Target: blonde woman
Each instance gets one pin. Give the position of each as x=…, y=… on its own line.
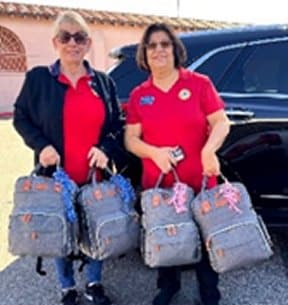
x=66, y=113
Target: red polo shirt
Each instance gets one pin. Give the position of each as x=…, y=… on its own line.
x=84, y=114
x=175, y=118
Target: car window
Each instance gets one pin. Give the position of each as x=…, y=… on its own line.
x=216, y=66
x=127, y=76
x=265, y=70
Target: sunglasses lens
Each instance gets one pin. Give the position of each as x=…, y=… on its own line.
x=153, y=45
x=64, y=37
x=79, y=37
x=165, y=44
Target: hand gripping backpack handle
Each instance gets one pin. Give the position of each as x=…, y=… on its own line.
x=227, y=190
x=161, y=177
x=40, y=170
x=205, y=182
x=91, y=177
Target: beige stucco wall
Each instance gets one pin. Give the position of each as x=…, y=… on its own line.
x=35, y=36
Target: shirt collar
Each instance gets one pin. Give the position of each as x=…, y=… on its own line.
x=54, y=69
x=183, y=74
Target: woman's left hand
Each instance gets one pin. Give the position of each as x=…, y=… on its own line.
x=210, y=163
x=97, y=158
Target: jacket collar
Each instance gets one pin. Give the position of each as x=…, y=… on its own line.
x=54, y=69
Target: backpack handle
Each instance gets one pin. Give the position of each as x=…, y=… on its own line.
x=92, y=177
x=38, y=167
x=161, y=177
x=205, y=181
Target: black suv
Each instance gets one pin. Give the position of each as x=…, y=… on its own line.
x=249, y=67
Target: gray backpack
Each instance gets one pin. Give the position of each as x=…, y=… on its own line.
x=170, y=237
x=109, y=224
x=42, y=223
x=233, y=233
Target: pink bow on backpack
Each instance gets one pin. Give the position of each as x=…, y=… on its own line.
x=179, y=197
x=231, y=194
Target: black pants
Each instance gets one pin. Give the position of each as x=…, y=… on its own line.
x=207, y=279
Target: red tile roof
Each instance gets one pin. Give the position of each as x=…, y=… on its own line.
x=104, y=17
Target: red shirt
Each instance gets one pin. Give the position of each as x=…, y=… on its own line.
x=175, y=118
x=84, y=115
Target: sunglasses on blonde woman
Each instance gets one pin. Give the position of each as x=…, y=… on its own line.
x=164, y=44
x=79, y=37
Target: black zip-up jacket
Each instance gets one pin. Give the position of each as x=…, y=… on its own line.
x=38, y=114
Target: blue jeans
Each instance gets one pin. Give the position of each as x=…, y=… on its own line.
x=65, y=271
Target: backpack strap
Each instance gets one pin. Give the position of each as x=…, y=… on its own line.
x=73, y=257
x=39, y=265
x=79, y=257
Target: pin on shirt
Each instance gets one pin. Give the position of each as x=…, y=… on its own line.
x=91, y=84
x=147, y=100
x=184, y=94
x=94, y=92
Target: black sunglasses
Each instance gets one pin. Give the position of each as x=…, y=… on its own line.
x=164, y=44
x=79, y=37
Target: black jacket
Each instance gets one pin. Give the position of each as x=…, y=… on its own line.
x=38, y=114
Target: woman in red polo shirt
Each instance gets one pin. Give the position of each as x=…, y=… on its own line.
x=67, y=113
x=175, y=108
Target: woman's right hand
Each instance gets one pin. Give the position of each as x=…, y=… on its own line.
x=163, y=158
x=49, y=156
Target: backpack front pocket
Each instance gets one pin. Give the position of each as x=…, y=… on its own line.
x=237, y=246
x=38, y=234
x=116, y=234
x=172, y=245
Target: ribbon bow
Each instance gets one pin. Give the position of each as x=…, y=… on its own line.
x=68, y=193
x=179, y=197
x=232, y=195
x=126, y=191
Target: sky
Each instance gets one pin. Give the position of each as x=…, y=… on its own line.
x=246, y=11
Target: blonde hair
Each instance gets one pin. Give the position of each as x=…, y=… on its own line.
x=72, y=18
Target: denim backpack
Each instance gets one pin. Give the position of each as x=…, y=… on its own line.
x=170, y=236
x=235, y=236
x=109, y=224
x=43, y=221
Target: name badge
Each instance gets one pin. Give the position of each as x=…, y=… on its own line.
x=147, y=100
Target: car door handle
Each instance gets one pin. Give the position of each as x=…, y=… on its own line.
x=239, y=114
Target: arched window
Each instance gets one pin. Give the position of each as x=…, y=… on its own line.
x=12, y=52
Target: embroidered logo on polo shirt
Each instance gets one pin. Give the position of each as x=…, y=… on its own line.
x=147, y=100
x=184, y=94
